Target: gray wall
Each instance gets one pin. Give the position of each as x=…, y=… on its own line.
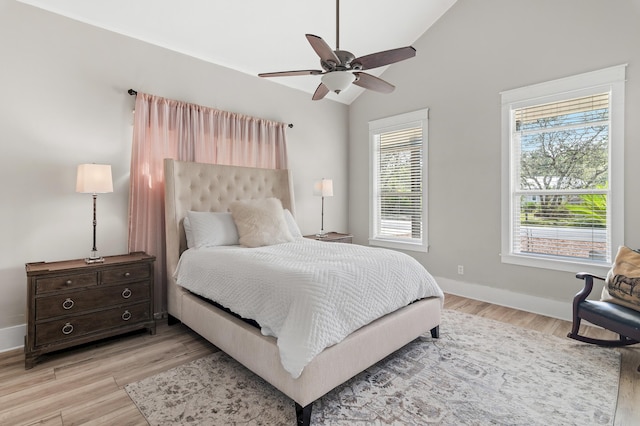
x=475, y=51
x=63, y=102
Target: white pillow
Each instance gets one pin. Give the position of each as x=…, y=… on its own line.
x=292, y=224
x=210, y=229
x=260, y=222
x=188, y=232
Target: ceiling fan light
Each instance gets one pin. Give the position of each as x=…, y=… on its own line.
x=337, y=81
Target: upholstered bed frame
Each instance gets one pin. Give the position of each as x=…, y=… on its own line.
x=207, y=187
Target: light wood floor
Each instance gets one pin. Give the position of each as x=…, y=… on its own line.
x=86, y=385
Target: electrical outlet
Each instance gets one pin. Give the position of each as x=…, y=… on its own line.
x=460, y=270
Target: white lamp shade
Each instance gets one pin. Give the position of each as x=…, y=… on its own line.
x=94, y=178
x=337, y=81
x=323, y=188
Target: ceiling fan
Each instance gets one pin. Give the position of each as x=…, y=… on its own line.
x=341, y=68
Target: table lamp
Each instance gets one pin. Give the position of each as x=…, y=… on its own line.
x=323, y=188
x=94, y=179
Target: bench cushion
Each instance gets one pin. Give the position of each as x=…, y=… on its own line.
x=626, y=318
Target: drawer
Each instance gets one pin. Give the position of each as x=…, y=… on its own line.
x=127, y=273
x=69, y=328
x=76, y=302
x=65, y=282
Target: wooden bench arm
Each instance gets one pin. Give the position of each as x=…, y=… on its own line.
x=588, y=286
x=584, y=275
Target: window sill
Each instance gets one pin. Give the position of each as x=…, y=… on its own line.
x=399, y=245
x=598, y=268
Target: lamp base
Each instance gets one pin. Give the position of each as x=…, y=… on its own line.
x=94, y=258
x=322, y=234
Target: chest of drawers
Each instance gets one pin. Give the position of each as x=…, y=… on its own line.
x=333, y=237
x=71, y=302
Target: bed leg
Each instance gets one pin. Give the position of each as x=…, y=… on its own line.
x=303, y=414
x=435, y=332
x=171, y=320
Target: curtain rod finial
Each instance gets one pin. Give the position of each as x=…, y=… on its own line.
x=132, y=92
x=290, y=125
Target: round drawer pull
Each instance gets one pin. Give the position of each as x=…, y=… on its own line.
x=126, y=293
x=67, y=328
x=68, y=304
x=126, y=315
x=127, y=274
x=69, y=282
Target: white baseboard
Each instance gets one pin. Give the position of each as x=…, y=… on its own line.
x=12, y=337
x=510, y=299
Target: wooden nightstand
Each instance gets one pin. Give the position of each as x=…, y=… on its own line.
x=72, y=302
x=333, y=237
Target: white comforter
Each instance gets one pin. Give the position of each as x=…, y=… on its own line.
x=308, y=294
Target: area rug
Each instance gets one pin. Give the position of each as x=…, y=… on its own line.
x=479, y=372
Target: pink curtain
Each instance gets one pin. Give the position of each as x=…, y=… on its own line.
x=165, y=128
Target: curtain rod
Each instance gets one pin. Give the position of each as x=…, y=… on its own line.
x=134, y=93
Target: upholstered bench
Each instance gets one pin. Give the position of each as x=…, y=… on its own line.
x=611, y=316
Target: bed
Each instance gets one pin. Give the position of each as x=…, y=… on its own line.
x=212, y=188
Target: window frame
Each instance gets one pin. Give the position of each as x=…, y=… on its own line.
x=611, y=80
x=389, y=124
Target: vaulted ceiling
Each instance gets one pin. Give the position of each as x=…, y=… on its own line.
x=254, y=36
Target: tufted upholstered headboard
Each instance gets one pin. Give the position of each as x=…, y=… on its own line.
x=211, y=187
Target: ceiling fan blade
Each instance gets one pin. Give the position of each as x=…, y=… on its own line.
x=371, y=82
x=322, y=49
x=386, y=57
x=289, y=73
x=320, y=92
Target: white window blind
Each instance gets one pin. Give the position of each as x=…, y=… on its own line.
x=563, y=172
x=561, y=182
x=398, y=189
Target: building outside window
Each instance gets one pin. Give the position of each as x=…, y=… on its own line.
x=562, y=195
x=398, y=211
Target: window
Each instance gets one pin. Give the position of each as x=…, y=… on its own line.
x=398, y=189
x=562, y=198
